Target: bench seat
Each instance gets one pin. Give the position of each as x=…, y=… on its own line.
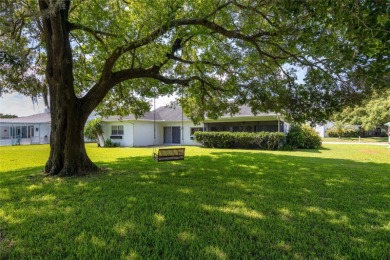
x=169, y=154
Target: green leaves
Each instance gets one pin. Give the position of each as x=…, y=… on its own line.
x=93, y=129
x=230, y=53
x=372, y=113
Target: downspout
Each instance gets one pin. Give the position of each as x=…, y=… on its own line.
x=132, y=137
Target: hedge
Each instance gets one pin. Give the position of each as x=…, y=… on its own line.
x=344, y=133
x=259, y=140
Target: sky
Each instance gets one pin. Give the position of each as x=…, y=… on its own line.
x=20, y=105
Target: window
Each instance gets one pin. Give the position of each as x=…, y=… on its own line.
x=196, y=129
x=117, y=130
x=193, y=130
x=238, y=128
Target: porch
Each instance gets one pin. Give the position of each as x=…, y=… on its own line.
x=247, y=126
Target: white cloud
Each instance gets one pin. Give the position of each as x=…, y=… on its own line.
x=162, y=101
x=20, y=105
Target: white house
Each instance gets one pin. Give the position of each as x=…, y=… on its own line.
x=168, y=126
x=33, y=129
x=321, y=129
x=164, y=126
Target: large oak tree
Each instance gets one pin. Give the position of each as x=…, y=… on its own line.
x=109, y=56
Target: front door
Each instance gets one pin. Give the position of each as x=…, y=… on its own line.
x=172, y=135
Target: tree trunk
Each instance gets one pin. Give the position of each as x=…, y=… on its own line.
x=67, y=151
x=68, y=115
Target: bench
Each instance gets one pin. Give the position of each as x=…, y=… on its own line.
x=169, y=154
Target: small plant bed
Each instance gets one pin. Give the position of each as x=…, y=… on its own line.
x=328, y=203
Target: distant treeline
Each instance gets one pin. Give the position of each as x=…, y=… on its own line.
x=7, y=116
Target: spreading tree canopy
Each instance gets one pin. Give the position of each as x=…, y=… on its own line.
x=109, y=56
x=373, y=113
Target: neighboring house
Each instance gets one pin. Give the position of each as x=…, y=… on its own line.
x=321, y=129
x=33, y=129
x=388, y=132
x=164, y=126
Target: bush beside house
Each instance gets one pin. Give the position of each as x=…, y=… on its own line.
x=303, y=137
x=259, y=140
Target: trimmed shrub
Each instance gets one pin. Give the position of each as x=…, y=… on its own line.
x=303, y=137
x=260, y=140
x=352, y=133
x=344, y=133
x=109, y=143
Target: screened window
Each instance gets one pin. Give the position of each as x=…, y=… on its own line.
x=117, y=130
x=196, y=129
x=193, y=130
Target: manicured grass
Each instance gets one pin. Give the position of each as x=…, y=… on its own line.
x=220, y=204
x=356, y=139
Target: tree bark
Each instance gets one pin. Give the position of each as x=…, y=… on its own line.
x=67, y=151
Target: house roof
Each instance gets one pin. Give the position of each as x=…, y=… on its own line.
x=166, y=113
x=160, y=114
x=33, y=119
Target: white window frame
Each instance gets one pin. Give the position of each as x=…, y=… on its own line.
x=117, y=130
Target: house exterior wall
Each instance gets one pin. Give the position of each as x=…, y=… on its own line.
x=44, y=134
x=321, y=129
x=128, y=133
x=143, y=133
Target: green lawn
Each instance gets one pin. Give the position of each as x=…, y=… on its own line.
x=218, y=204
x=356, y=139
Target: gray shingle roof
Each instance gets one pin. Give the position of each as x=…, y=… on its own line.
x=33, y=119
x=162, y=114
x=166, y=113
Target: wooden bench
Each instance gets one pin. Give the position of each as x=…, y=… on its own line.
x=169, y=154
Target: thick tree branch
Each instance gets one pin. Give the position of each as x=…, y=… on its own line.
x=177, y=23
x=190, y=62
x=95, y=33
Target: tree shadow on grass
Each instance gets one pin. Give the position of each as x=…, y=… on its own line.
x=222, y=205
x=318, y=150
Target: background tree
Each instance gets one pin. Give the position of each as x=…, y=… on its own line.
x=7, y=116
x=340, y=127
x=374, y=113
x=109, y=56
x=93, y=131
